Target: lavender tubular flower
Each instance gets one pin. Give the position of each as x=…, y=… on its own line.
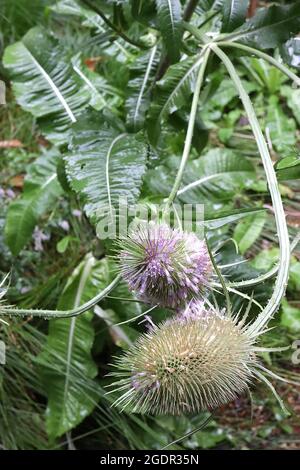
x=165, y=266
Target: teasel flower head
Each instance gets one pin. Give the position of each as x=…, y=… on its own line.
x=198, y=360
x=165, y=266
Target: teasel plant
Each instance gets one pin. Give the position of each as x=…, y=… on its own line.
x=205, y=355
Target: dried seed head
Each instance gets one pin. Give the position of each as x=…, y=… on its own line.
x=185, y=365
x=165, y=266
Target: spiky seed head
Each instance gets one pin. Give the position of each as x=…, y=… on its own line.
x=165, y=266
x=187, y=364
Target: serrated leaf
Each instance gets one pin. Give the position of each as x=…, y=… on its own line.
x=41, y=190
x=218, y=175
x=171, y=92
x=45, y=84
x=138, y=99
x=205, y=6
x=67, y=368
x=270, y=27
x=247, y=231
x=234, y=14
x=215, y=176
x=104, y=166
x=170, y=25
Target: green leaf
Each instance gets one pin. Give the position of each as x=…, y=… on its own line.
x=294, y=279
x=216, y=176
x=171, y=93
x=271, y=26
x=292, y=96
x=247, y=231
x=63, y=244
x=290, y=317
x=282, y=129
x=265, y=259
x=104, y=165
x=45, y=84
x=207, y=5
x=288, y=168
x=102, y=94
x=41, y=190
x=217, y=219
x=67, y=368
x=234, y=14
x=138, y=99
x=170, y=25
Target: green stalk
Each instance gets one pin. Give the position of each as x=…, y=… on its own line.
x=222, y=282
x=15, y=312
x=263, y=56
x=190, y=130
x=282, y=231
x=261, y=278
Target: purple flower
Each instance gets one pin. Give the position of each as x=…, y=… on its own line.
x=64, y=224
x=39, y=237
x=165, y=266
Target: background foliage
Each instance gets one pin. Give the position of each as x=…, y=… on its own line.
x=96, y=85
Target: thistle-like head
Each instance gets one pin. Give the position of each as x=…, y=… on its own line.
x=198, y=360
x=165, y=266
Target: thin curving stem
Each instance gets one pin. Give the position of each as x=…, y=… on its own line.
x=49, y=314
x=281, y=226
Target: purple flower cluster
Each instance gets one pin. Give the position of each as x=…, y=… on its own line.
x=165, y=266
x=195, y=310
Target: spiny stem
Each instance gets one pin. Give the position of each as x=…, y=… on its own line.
x=49, y=314
x=264, y=56
x=190, y=433
x=259, y=279
x=190, y=130
x=221, y=279
x=282, y=231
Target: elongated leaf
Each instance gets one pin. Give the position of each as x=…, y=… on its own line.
x=41, y=190
x=234, y=14
x=67, y=367
x=247, y=231
x=45, y=83
x=138, y=99
x=281, y=128
x=205, y=6
x=216, y=176
x=169, y=21
x=105, y=165
x=271, y=26
x=171, y=92
x=288, y=168
x=293, y=100
x=217, y=219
